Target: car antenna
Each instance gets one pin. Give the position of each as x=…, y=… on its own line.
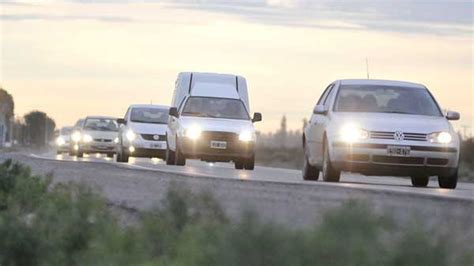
x=367, y=67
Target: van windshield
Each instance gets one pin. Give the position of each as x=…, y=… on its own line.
x=386, y=99
x=216, y=108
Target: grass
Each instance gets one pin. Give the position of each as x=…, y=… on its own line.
x=69, y=224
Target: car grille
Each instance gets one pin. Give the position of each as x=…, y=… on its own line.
x=391, y=135
x=102, y=140
x=397, y=160
x=151, y=137
x=220, y=136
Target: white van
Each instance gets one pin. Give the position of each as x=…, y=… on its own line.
x=210, y=120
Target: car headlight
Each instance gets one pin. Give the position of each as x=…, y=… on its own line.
x=116, y=140
x=193, y=132
x=87, y=138
x=130, y=135
x=352, y=133
x=76, y=136
x=440, y=137
x=246, y=136
x=60, y=141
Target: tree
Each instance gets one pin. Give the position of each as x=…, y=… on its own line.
x=39, y=128
x=283, y=132
x=7, y=107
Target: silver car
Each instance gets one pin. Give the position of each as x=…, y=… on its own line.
x=379, y=127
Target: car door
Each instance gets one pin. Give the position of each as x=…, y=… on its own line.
x=317, y=127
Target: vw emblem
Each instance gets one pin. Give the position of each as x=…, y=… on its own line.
x=156, y=137
x=398, y=136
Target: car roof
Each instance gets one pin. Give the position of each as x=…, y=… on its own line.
x=380, y=82
x=149, y=106
x=99, y=117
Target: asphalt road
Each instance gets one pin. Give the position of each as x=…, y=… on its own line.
x=276, y=175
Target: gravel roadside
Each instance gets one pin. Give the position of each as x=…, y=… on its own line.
x=291, y=204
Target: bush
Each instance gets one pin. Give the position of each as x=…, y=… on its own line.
x=69, y=224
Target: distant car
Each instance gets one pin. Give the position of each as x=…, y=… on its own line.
x=98, y=134
x=75, y=137
x=210, y=121
x=63, y=140
x=143, y=132
x=378, y=127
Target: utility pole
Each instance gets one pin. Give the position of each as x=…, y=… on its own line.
x=367, y=67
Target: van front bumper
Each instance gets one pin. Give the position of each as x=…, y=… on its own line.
x=201, y=148
x=373, y=159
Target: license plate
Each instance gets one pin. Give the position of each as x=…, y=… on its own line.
x=398, y=151
x=102, y=147
x=222, y=145
x=156, y=146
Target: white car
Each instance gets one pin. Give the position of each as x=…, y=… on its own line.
x=98, y=134
x=210, y=120
x=379, y=127
x=143, y=132
x=63, y=141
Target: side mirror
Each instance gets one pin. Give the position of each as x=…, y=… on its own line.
x=257, y=117
x=450, y=115
x=121, y=121
x=320, y=110
x=174, y=112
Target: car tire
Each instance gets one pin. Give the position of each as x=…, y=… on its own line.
x=170, y=157
x=180, y=159
x=249, y=163
x=309, y=172
x=449, y=181
x=80, y=154
x=72, y=153
x=239, y=164
x=110, y=155
x=420, y=181
x=328, y=172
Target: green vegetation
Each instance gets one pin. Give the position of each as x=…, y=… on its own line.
x=68, y=224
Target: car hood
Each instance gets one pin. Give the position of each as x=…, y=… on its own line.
x=217, y=124
x=101, y=134
x=394, y=122
x=145, y=128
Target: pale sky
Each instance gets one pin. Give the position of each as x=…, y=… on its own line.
x=77, y=58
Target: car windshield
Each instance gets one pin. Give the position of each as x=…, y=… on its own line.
x=215, y=107
x=386, y=99
x=101, y=124
x=149, y=115
x=66, y=131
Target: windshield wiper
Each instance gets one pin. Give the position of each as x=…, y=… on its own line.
x=399, y=112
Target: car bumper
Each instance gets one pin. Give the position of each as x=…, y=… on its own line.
x=97, y=147
x=201, y=149
x=373, y=159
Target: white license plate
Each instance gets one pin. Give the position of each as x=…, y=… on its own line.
x=398, y=151
x=156, y=146
x=222, y=145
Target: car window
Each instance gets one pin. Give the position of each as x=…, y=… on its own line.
x=386, y=99
x=101, y=124
x=324, y=95
x=328, y=97
x=149, y=115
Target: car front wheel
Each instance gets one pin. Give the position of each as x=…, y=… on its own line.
x=420, y=181
x=309, y=172
x=329, y=173
x=249, y=163
x=448, y=181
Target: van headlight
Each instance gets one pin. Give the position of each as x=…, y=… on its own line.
x=352, y=133
x=116, y=140
x=193, y=132
x=130, y=135
x=440, y=137
x=87, y=138
x=246, y=136
x=60, y=141
x=76, y=136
